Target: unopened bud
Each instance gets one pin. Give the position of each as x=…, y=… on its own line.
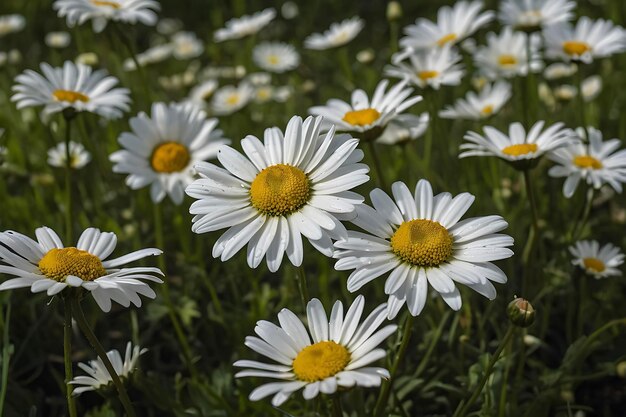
x=521, y=312
x=394, y=11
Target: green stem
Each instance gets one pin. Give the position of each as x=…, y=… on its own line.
x=6, y=354
x=95, y=343
x=581, y=100
x=505, y=378
x=431, y=347
x=69, y=220
x=67, y=353
x=345, y=63
x=380, y=177
x=531, y=199
x=303, y=288
x=531, y=89
x=533, y=235
x=130, y=48
x=579, y=226
x=337, y=409
x=582, y=296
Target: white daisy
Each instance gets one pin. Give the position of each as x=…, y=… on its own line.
x=186, y=45
x=11, y=23
x=453, y=25
x=591, y=87
x=430, y=68
x=290, y=186
x=263, y=93
x=601, y=262
x=587, y=40
x=420, y=239
x=363, y=115
x=332, y=355
x=47, y=265
x=72, y=86
x=163, y=148
x=100, y=12
x=337, y=35
x=57, y=39
x=505, y=55
x=99, y=377
x=230, y=99
x=79, y=156
x=153, y=55
x=275, y=56
x=530, y=15
x=202, y=93
x=404, y=128
x=597, y=163
x=559, y=70
x=486, y=103
x=245, y=25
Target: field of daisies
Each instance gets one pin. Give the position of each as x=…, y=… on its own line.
x=312, y=208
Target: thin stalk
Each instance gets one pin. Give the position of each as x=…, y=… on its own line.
x=67, y=353
x=431, y=347
x=69, y=219
x=505, y=378
x=582, y=293
x=303, y=288
x=6, y=346
x=532, y=200
x=531, y=89
x=130, y=48
x=345, y=63
x=95, y=344
x=580, y=99
x=533, y=234
x=393, y=36
x=579, y=226
x=380, y=177
x=337, y=409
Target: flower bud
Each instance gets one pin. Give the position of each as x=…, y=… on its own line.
x=394, y=11
x=521, y=312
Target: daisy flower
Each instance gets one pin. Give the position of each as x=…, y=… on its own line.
x=332, y=355
x=163, y=148
x=153, y=55
x=73, y=86
x=100, y=12
x=430, y=68
x=337, y=35
x=404, y=128
x=245, y=25
x=559, y=70
x=275, y=56
x=591, y=87
x=506, y=55
x=597, y=163
x=587, y=40
x=420, y=239
x=201, y=93
x=361, y=114
x=230, y=99
x=11, y=23
x=483, y=105
x=47, y=265
x=290, y=186
x=601, y=262
x=79, y=157
x=453, y=25
x=98, y=376
x=186, y=45
x=531, y=15
x=57, y=39
x=519, y=147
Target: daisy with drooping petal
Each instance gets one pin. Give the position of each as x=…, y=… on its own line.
x=332, y=355
x=597, y=163
x=531, y=15
x=100, y=12
x=47, y=265
x=363, y=115
x=431, y=68
x=587, y=40
x=97, y=374
x=404, y=128
x=419, y=238
x=74, y=86
x=11, y=23
x=506, y=55
x=245, y=25
x=230, y=99
x=479, y=106
x=600, y=262
x=337, y=35
x=275, y=56
x=79, y=156
x=289, y=186
x=163, y=148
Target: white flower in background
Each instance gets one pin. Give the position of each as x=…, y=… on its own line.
x=57, y=39
x=506, y=56
x=419, y=238
x=100, y=12
x=46, y=265
x=332, y=355
x=186, y=45
x=404, y=128
x=167, y=26
x=257, y=79
x=230, y=99
x=530, y=15
x=431, y=68
x=337, y=35
x=3, y=150
x=292, y=185
x=97, y=375
x=282, y=93
x=163, y=148
x=79, y=157
x=565, y=92
x=589, y=39
x=486, y=103
x=559, y=70
x=600, y=262
x=245, y=25
x=263, y=93
x=289, y=10
x=87, y=58
x=363, y=114
x=153, y=55
x=597, y=163
x=453, y=25
x=275, y=56
x=591, y=87
x=11, y=23
x=74, y=86
x=201, y=94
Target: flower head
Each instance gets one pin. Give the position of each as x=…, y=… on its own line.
x=486, y=103
x=79, y=156
x=245, y=25
x=530, y=15
x=11, y=23
x=404, y=128
x=506, y=55
x=597, y=261
x=275, y=57
x=230, y=99
x=337, y=35
x=431, y=68
x=100, y=12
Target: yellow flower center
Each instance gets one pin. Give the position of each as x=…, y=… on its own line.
x=70, y=96
x=273, y=59
x=280, y=190
x=427, y=75
x=446, y=39
x=170, y=157
x=587, y=162
x=57, y=264
x=361, y=117
x=507, y=60
x=232, y=99
x=576, y=47
x=422, y=242
x=594, y=264
x=520, y=149
x=320, y=361
x=111, y=4
x=487, y=110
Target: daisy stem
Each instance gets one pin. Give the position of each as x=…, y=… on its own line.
x=464, y=407
x=530, y=194
x=130, y=47
x=6, y=354
x=303, y=287
x=533, y=235
x=431, y=347
x=337, y=409
x=95, y=344
x=67, y=353
x=380, y=177
x=69, y=219
x=346, y=67
x=581, y=99
x=530, y=80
